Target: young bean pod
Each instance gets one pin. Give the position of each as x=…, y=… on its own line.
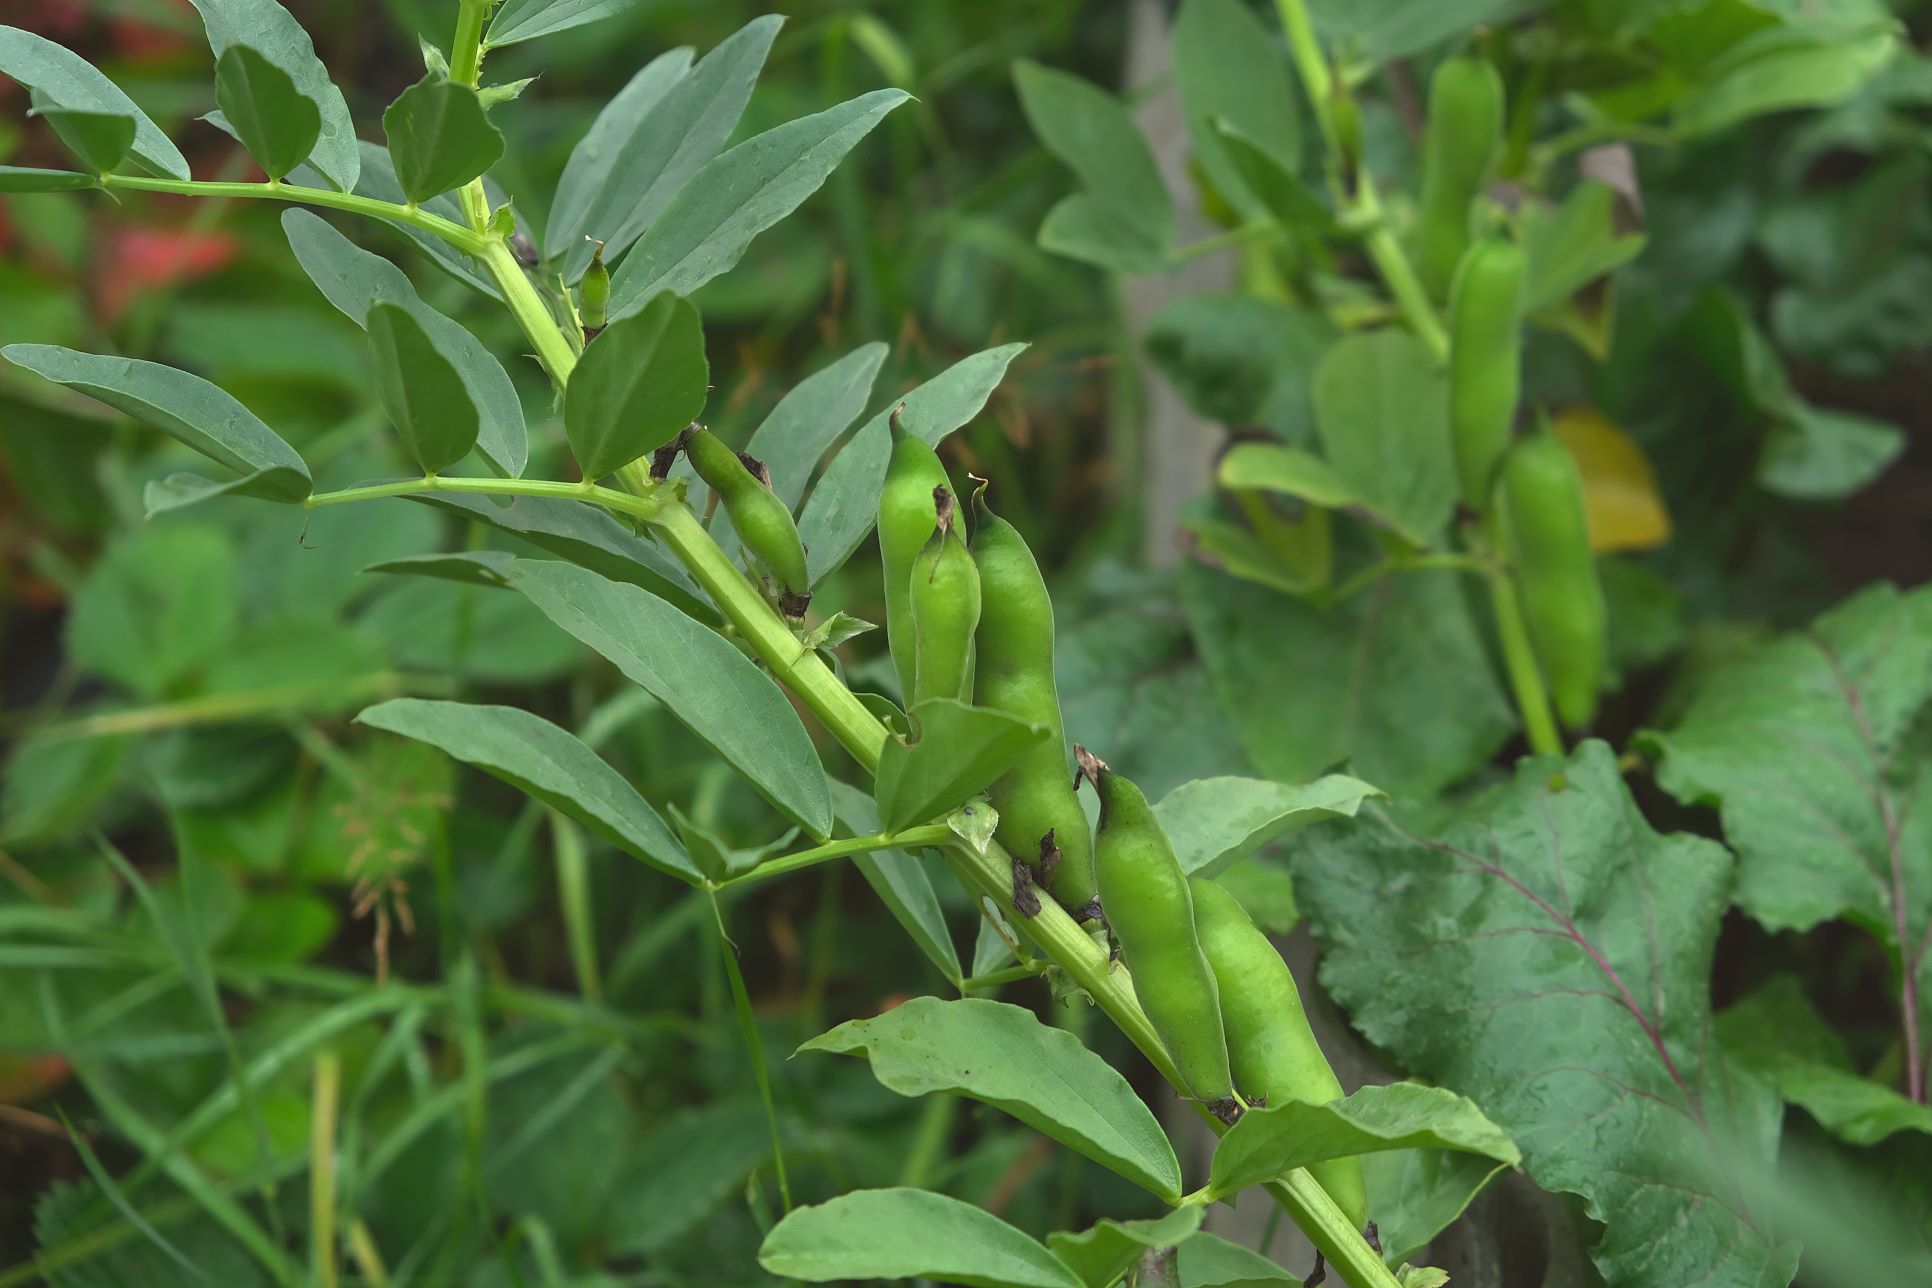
x=593, y=294
x=1485, y=362
x=907, y=518
x=762, y=521
x=1039, y=808
x=944, y=600
x=1151, y=915
x=1271, y=1050
x=1546, y=537
x=1465, y=133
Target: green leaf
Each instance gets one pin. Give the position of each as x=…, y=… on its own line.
x=1776, y=1032
x=98, y=140
x=1003, y=1056
x=1548, y=955
x=379, y=181
x=275, y=122
x=1271, y=1141
x=352, y=279
x=683, y=1169
x=699, y=676
x=1306, y=688
x=1276, y=187
x=185, y=407
x=638, y=384
x=901, y=881
x=1573, y=245
x=810, y=418
x=439, y=137
x=520, y=20
x=908, y=1234
x=20, y=178
x=1209, y=1261
x=421, y=389
x=960, y=750
x=58, y=77
x=1381, y=405
x=844, y=506
x=546, y=762
x=1397, y=28
x=1416, y=1194
x=1215, y=822
x=1125, y=217
x=1288, y=471
x=158, y=606
x=664, y=126
x=267, y=28
x=54, y=785
x=1780, y=68
x=1228, y=66
x=1102, y=1253
x=587, y=536
x=1814, y=748
x=705, y=228
x=1816, y=454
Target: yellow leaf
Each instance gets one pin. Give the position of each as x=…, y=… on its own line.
x=1619, y=489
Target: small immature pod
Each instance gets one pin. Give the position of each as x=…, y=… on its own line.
x=944, y=599
x=1546, y=537
x=763, y=523
x=1151, y=914
x=1272, y=1051
x=593, y=296
x=1465, y=132
x=907, y=519
x=1485, y=362
x=1039, y=809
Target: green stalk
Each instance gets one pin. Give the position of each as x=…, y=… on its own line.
x=466, y=49
x=1519, y=661
x=532, y=314
x=322, y=1199
x=642, y=507
x=463, y=239
x=573, y=893
x=913, y=838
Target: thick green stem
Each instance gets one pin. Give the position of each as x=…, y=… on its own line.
x=527, y=307
x=466, y=49
x=1315, y=80
x=642, y=507
x=463, y=239
x=1397, y=274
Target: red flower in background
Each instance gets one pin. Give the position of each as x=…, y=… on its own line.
x=136, y=260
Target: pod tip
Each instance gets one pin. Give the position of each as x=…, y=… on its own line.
x=942, y=508
x=1091, y=766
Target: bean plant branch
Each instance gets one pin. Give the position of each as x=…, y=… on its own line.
x=915, y=838
x=466, y=240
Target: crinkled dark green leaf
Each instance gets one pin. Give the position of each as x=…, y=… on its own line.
x=1548, y=955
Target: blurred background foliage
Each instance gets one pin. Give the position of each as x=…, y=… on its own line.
x=176, y=691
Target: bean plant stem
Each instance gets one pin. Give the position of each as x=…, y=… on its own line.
x=463, y=239
x=1519, y=661
x=913, y=838
x=466, y=49
x=322, y=1210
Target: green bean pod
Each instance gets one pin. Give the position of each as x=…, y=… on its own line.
x=1485, y=362
x=907, y=518
x=944, y=599
x=763, y=522
x=1039, y=808
x=1151, y=914
x=593, y=295
x=1546, y=537
x=1465, y=132
x=1271, y=1050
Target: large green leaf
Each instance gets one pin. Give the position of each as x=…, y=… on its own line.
x=901, y=880
x=439, y=137
x=648, y=142
x=1307, y=688
x=1103, y=1252
x=705, y=228
x=1228, y=67
x=520, y=20
x=352, y=279
x=1396, y=28
x=59, y=77
x=1002, y=1055
x=697, y=674
x=547, y=762
x=1268, y=1142
x=1784, y=67
x=1815, y=454
x=640, y=382
x=1816, y=750
x=844, y=506
x=1124, y=219
x=908, y=1234
x=203, y=416
x=1381, y=406
x=1216, y=822
x=421, y=389
x=1548, y=955
x=276, y=123
x=961, y=749
x=1574, y=245
x=810, y=418
x=22, y=178
x=266, y=27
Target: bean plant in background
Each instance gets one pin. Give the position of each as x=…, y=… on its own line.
x=1397, y=574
